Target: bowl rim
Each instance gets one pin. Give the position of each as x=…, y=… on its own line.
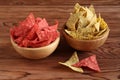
x=25, y=48
x=100, y=37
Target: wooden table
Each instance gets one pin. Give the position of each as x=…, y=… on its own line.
x=13, y=66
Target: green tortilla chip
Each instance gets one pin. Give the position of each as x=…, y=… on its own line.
x=73, y=59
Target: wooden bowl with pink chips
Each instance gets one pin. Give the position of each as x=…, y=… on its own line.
x=33, y=38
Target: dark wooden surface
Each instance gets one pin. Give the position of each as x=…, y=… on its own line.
x=13, y=66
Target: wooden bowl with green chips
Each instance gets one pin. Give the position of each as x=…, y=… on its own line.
x=85, y=45
x=85, y=30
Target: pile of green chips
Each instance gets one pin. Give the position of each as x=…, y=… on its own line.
x=84, y=24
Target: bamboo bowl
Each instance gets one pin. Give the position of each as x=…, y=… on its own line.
x=85, y=45
x=36, y=53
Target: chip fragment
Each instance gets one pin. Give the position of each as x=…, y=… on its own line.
x=73, y=59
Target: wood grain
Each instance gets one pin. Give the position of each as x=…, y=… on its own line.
x=15, y=67
x=59, y=2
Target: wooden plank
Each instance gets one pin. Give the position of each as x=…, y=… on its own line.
x=59, y=2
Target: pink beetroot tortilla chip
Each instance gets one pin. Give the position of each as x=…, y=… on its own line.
x=29, y=21
x=32, y=33
x=89, y=62
x=43, y=23
x=23, y=27
x=47, y=33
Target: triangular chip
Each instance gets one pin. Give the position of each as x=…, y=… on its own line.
x=43, y=23
x=29, y=21
x=91, y=8
x=31, y=34
x=82, y=22
x=76, y=8
x=101, y=32
x=89, y=14
x=72, y=21
x=74, y=59
x=93, y=21
x=97, y=26
x=89, y=62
